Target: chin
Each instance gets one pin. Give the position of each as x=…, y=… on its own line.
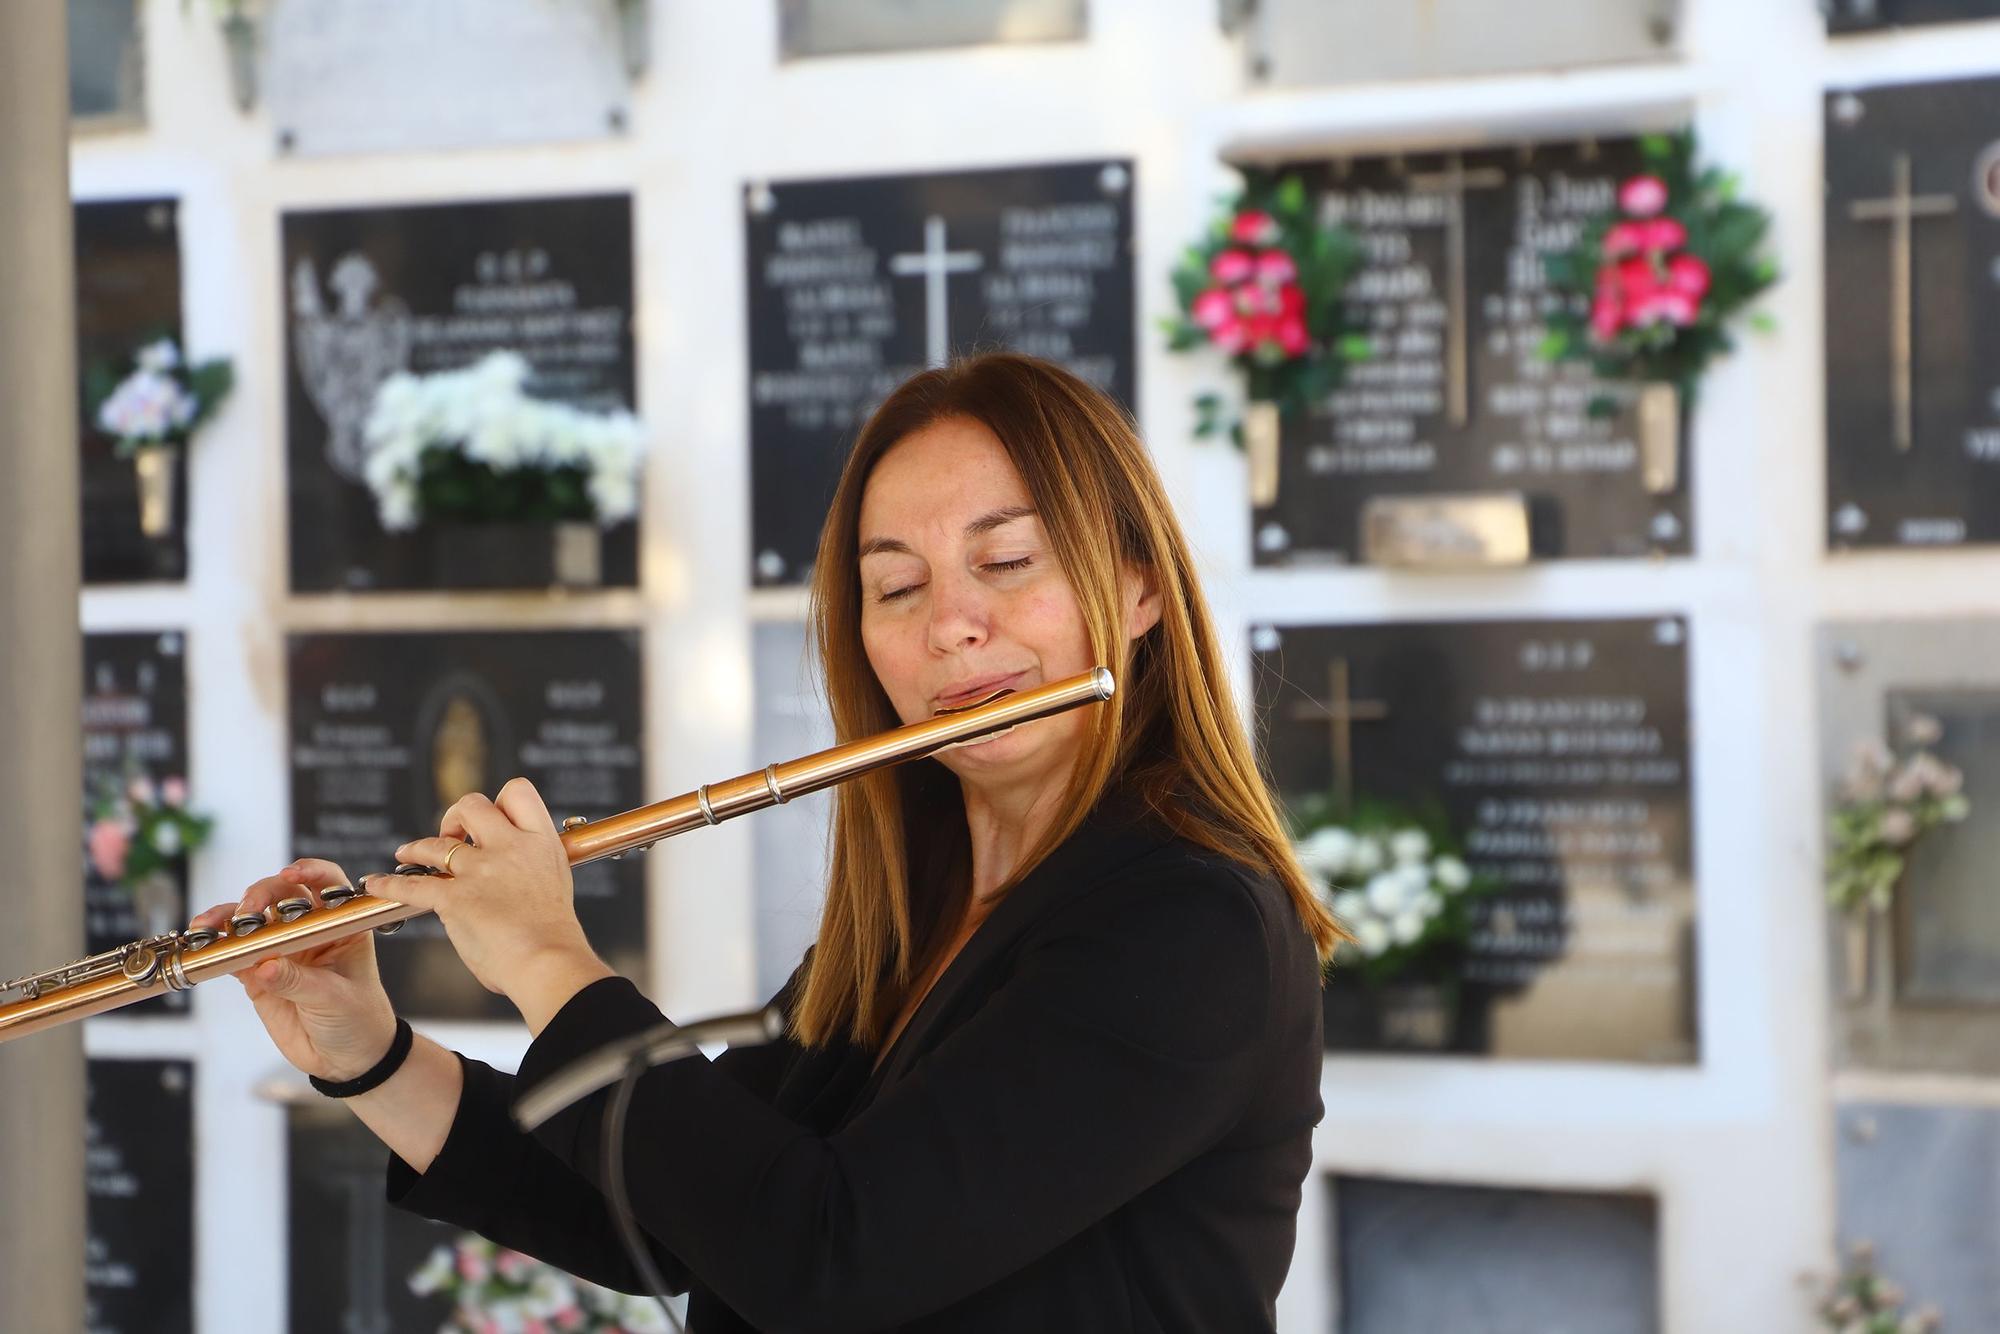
x=1025, y=753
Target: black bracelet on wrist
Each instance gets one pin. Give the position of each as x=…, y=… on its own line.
x=399, y=1049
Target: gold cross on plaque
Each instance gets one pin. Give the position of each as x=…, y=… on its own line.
x=1899, y=209
x=1454, y=181
x=1341, y=713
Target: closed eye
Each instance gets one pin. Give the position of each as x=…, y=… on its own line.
x=1021, y=563
x=1003, y=566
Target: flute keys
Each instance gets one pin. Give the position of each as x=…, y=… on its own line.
x=338, y=894
x=199, y=937
x=244, y=923
x=290, y=910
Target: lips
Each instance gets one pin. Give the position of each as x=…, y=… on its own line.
x=978, y=689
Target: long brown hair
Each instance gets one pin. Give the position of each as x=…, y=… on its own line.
x=900, y=875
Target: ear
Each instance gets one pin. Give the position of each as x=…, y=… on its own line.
x=1139, y=596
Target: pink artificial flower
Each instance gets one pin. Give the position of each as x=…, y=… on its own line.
x=1643, y=196
x=1232, y=335
x=533, y=1326
x=1687, y=273
x=1637, y=279
x=141, y=790
x=511, y=1265
x=108, y=842
x=1263, y=329
x=1292, y=335
x=1623, y=239
x=1211, y=308
x=1665, y=234
x=1292, y=301
x=471, y=1267
x=1606, y=316
x=174, y=791
x=1275, y=268
x=1675, y=308
x=1231, y=267
x=569, y=1318
x=1254, y=227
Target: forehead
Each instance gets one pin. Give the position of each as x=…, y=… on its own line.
x=943, y=475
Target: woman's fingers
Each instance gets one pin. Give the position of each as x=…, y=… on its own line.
x=419, y=891
x=475, y=819
x=523, y=805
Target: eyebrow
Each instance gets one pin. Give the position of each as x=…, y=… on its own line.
x=985, y=523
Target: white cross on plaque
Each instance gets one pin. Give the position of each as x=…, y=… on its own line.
x=936, y=264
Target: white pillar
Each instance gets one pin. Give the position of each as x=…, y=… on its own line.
x=41, y=876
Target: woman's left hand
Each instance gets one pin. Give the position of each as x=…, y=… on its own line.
x=507, y=900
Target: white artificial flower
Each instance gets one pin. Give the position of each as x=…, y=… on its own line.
x=1451, y=873
x=1430, y=903
x=1350, y=905
x=1367, y=858
x=1407, y=927
x=642, y=1315
x=1409, y=846
x=549, y=1292
x=615, y=497
x=1324, y=852
x=166, y=838
x=397, y=507
x=437, y=1271
x=1387, y=892
x=1372, y=937
x=160, y=356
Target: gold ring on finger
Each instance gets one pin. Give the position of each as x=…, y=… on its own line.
x=456, y=848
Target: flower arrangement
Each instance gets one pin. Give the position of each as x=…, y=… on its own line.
x=499, y=1291
x=140, y=828
x=1396, y=884
x=1265, y=287
x=1887, y=802
x=162, y=400
x=1655, y=285
x=471, y=445
x=1862, y=1301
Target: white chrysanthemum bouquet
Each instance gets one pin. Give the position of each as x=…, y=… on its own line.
x=1889, y=800
x=500, y=1291
x=1402, y=894
x=162, y=400
x=470, y=445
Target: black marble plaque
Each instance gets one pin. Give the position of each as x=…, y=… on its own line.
x=1456, y=398
x=1844, y=16
x=1413, y=1255
x=1556, y=753
x=128, y=294
x=370, y=292
x=350, y=1256
x=388, y=730
x=1913, y=315
x=857, y=284
x=139, y=1211
x=134, y=731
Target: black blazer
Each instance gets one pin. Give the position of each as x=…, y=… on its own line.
x=1099, y=1119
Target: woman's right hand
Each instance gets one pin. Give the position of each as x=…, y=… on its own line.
x=324, y=1007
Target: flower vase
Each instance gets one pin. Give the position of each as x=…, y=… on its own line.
x=1854, y=939
x=154, y=467
x=1261, y=423
x=156, y=899
x=1659, y=411
x=1417, y=1015
x=239, y=36
x=635, y=34
x=577, y=555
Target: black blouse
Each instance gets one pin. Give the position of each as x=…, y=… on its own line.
x=1099, y=1119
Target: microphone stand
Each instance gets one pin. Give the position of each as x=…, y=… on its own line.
x=622, y=1062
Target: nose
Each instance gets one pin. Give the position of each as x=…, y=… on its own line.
x=960, y=613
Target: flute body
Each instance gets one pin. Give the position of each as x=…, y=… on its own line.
x=179, y=960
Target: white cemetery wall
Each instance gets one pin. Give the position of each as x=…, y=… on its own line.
x=1738, y=1149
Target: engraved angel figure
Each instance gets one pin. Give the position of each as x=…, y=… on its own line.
x=343, y=355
